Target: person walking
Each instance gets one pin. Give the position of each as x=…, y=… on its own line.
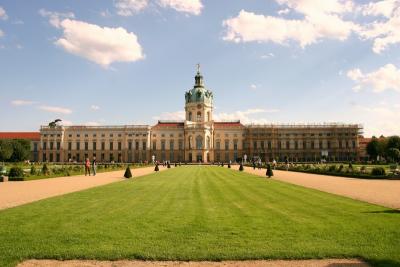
x=87, y=167
x=94, y=166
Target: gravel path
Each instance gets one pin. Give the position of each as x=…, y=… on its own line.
x=381, y=192
x=259, y=263
x=13, y=194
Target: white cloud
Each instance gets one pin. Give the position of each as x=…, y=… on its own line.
x=269, y=55
x=284, y=11
x=53, y=109
x=92, y=123
x=20, y=102
x=130, y=7
x=94, y=107
x=193, y=7
x=1, y=33
x=101, y=45
x=55, y=18
x=245, y=116
x=253, y=86
x=381, y=8
x=3, y=14
x=177, y=115
x=321, y=20
x=385, y=78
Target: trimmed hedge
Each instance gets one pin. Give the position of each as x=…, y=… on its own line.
x=16, y=172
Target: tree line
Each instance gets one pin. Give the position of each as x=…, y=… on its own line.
x=14, y=150
x=384, y=148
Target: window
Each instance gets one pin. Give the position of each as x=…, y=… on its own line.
x=69, y=145
x=94, y=145
x=296, y=145
x=111, y=146
x=58, y=146
x=354, y=144
x=51, y=145
x=144, y=145
x=287, y=145
x=235, y=145
x=86, y=145
x=226, y=144
x=199, y=142
x=320, y=144
x=262, y=145
x=329, y=144
x=103, y=146
x=162, y=145
x=137, y=145
x=255, y=144
x=180, y=144
x=78, y=145
x=86, y=135
x=218, y=145
x=35, y=147
x=171, y=145
x=154, y=145
x=269, y=145
x=130, y=145
x=208, y=116
x=198, y=116
x=119, y=146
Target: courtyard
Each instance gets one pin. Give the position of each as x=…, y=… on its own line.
x=199, y=214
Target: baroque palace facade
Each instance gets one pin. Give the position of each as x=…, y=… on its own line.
x=199, y=139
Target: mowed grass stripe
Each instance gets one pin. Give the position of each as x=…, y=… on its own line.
x=199, y=213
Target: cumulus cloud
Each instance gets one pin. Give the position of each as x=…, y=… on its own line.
x=193, y=7
x=321, y=19
x=102, y=45
x=54, y=109
x=130, y=7
x=3, y=14
x=55, y=18
x=284, y=11
x=246, y=116
x=20, y=102
x=385, y=78
x=384, y=8
x=269, y=55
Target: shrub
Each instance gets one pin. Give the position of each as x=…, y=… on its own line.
x=45, y=169
x=229, y=165
x=16, y=172
x=168, y=165
x=241, y=167
x=128, y=173
x=350, y=166
x=33, y=170
x=156, y=169
x=340, y=168
x=363, y=169
x=332, y=168
x=378, y=171
x=269, y=172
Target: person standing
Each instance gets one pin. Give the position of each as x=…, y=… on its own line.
x=94, y=166
x=87, y=167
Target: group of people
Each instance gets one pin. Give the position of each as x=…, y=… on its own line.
x=90, y=166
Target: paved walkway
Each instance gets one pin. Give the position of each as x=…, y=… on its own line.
x=18, y=193
x=381, y=192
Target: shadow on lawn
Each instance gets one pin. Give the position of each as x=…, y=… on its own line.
x=384, y=211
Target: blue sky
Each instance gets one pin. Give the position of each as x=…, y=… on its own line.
x=267, y=61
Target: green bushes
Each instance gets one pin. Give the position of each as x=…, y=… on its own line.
x=16, y=174
x=45, y=169
x=378, y=171
x=128, y=173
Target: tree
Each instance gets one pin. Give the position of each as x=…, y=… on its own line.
x=6, y=150
x=393, y=142
x=373, y=148
x=21, y=150
x=128, y=173
x=394, y=154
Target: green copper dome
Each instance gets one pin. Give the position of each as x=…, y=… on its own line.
x=199, y=94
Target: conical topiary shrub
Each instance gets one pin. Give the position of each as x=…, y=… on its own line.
x=269, y=172
x=156, y=169
x=128, y=173
x=229, y=165
x=45, y=169
x=241, y=167
x=168, y=165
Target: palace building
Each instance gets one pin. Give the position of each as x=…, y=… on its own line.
x=199, y=138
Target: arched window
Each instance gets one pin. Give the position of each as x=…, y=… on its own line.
x=198, y=116
x=190, y=116
x=199, y=142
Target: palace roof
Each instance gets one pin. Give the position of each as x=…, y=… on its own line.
x=169, y=124
x=20, y=135
x=223, y=124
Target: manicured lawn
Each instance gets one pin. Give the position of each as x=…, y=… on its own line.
x=200, y=213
